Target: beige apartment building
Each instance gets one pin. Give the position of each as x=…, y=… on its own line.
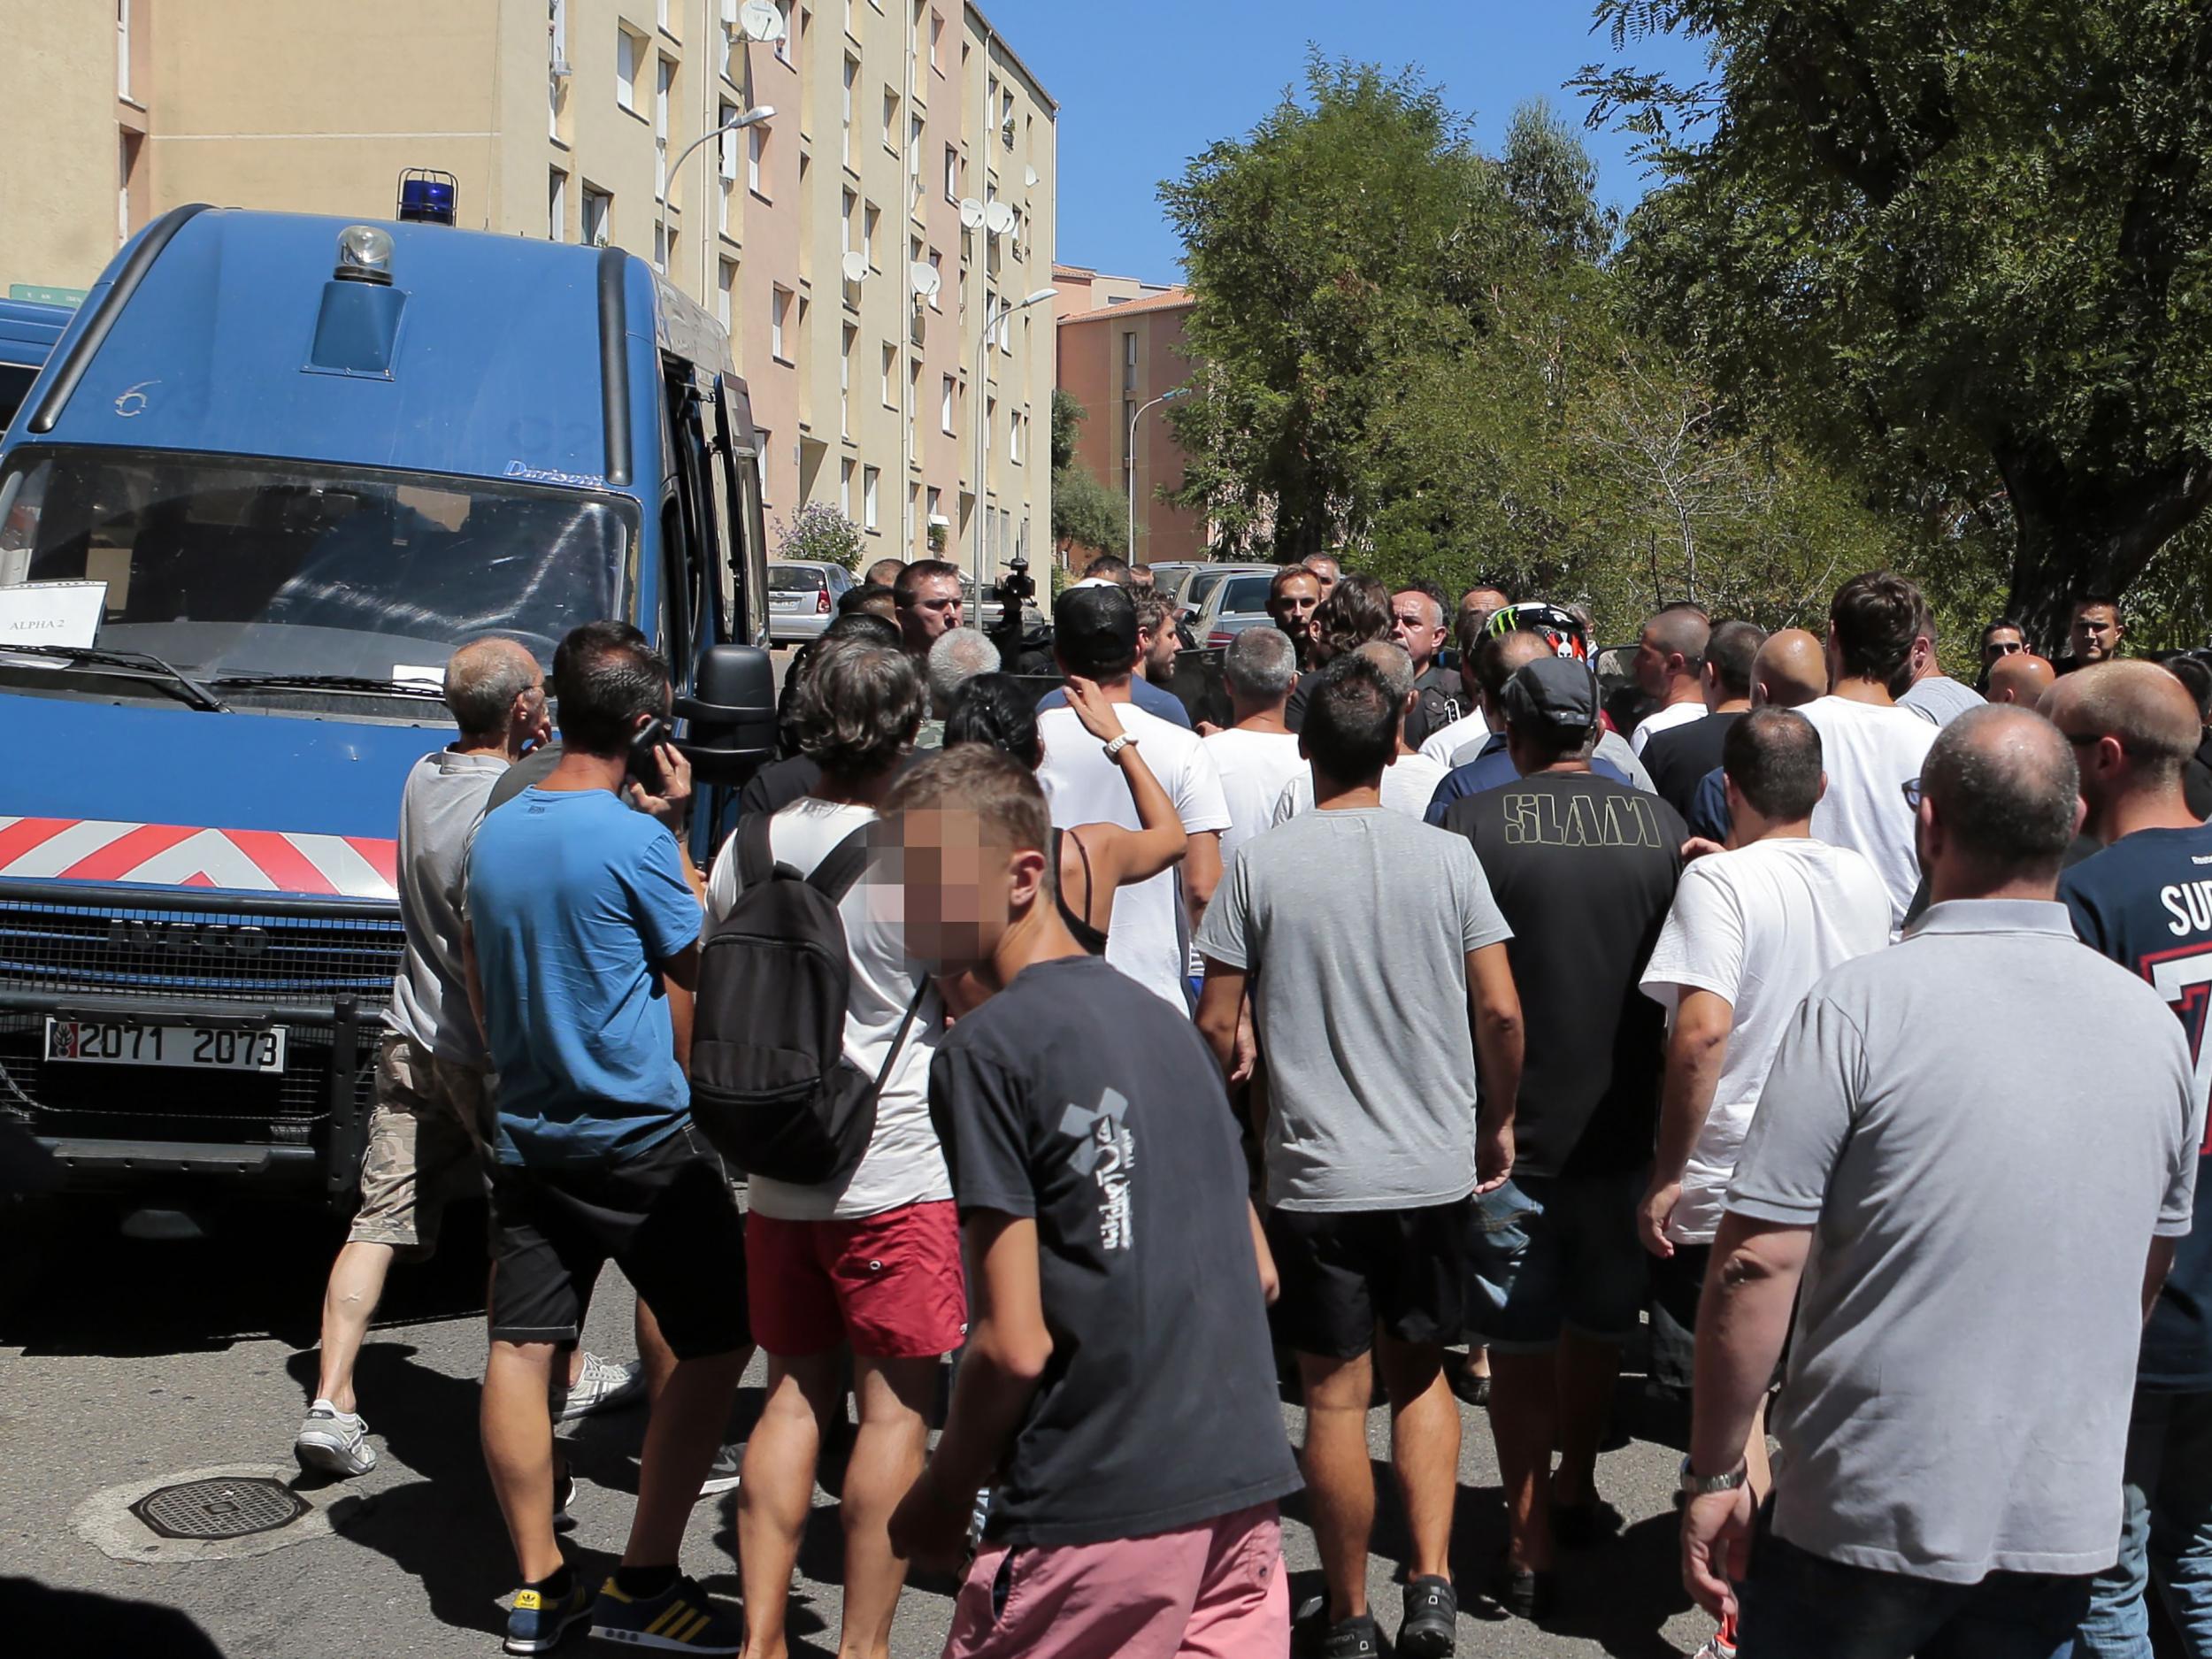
x=1120, y=347
x=830, y=239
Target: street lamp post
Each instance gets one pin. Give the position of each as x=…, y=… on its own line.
x=751, y=118
x=991, y=322
x=1130, y=458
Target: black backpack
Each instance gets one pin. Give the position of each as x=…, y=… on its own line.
x=771, y=1086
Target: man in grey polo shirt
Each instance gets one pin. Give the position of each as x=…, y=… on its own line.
x=1976, y=1260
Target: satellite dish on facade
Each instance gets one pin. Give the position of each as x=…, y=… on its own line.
x=760, y=20
x=1029, y=177
x=972, y=213
x=1000, y=218
x=855, y=265
x=924, y=279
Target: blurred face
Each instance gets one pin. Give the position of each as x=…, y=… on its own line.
x=959, y=894
x=1482, y=602
x=1294, y=602
x=935, y=611
x=533, y=716
x=2002, y=642
x=2096, y=633
x=1326, y=570
x=1141, y=576
x=1416, y=622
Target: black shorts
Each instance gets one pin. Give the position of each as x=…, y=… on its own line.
x=1679, y=1280
x=1344, y=1272
x=666, y=1217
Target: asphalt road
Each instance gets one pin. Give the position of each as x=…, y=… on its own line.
x=124, y=1360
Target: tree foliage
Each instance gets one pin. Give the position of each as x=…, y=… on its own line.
x=1960, y=248
x=1410, y=348
x=818, y=530
x=1084, y=513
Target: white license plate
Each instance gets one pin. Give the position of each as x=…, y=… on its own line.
x=202, y=1048
x=795, y=603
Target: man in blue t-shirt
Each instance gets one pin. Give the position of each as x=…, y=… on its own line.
x=2146, y=902
x=583, y=953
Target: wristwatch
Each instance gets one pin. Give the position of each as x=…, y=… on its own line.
x=1114, y=748
x=1697, y=1486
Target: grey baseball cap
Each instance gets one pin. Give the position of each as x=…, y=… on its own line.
x=1553, y=691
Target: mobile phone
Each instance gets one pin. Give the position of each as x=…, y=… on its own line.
x=644, y=765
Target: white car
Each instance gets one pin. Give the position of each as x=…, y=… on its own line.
x=803, y=596
x=1233, y=598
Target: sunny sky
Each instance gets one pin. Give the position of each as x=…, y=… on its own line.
x=1143, y=85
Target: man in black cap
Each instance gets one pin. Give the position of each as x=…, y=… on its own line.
x=1095, y=637
x=1585, y=869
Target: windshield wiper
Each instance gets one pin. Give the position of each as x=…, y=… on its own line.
x=340, y=682
x=171, y=677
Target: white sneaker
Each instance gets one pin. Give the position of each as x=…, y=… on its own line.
x=601, y=1384
x=1717, y=1647
x=724, y=1472
x=333, y=1441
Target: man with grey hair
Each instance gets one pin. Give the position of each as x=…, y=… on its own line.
x=428, y=1128
x=1955, y=1411
x=1258, y=754
x=957, y=655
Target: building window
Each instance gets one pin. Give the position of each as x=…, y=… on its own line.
x=937, y=293
x=871, y=217
x=556, y=206
x=726, y=154
x=626, y=57
x=890, y=375
x=870, y=482
x=846, y=203
x=845, y=380
x=663, y=83
x=598, y=218
x=845, y=139
x=557, y=66
x=122, y=49
x=845, y=488
x=936, y=39
x=936, y=505
x=952, y=172
x=1006, y=119
x=767, y=472
x=890, y=120
x=1129, y=361
x=778, y=311
x=945, y=409
x=664, y=248
x=790, y=29
x=990, y=419
x=914, y=161
x=724, y=281
x=1014, y=439
x=756, y=155
x=660, y=16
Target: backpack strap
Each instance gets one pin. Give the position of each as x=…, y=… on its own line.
x=835, y=876
x=898, y=1041
x=755, y=863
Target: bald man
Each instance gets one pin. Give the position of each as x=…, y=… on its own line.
x=2021, y=677
x=1483, y=603
x=1789, y=671
x=2143, y=901
x=1670, y=667
x=426, y=1130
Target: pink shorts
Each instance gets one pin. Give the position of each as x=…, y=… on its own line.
x=1213, y=1591
x=890, y=1285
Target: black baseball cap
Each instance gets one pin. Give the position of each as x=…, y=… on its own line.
x=1095, y=624
x=1553, y=691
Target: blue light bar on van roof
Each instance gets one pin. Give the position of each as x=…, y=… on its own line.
x=428, y=196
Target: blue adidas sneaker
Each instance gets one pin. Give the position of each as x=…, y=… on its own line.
x=679, y=1619
x=536, y=1625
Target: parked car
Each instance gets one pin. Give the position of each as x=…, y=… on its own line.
x=975, y=613
x=1234, y=600
x=803, y=596
x=1172, y=580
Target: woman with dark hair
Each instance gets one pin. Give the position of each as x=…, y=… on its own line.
x=1091, y=860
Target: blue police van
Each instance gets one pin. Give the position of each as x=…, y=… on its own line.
x=275, y=469
x=28, y=329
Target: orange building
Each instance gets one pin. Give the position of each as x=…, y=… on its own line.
x=1120, y=347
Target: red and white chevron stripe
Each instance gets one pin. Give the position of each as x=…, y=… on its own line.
x=179, y=855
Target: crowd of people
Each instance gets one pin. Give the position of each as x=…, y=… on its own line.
x=1422, y=1032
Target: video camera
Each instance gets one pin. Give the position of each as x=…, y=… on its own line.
x=1017, y=587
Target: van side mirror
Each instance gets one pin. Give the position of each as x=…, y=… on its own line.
x=731, y=715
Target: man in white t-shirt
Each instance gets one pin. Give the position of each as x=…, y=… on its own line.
x=1258, y=755
x=1670, y=665
x=1094, y=635
x=1871, y=747
x=1410, y=779
x=873, y=1262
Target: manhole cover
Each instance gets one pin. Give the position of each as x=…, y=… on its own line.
x=228, y=1508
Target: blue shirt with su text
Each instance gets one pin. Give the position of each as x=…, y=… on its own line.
x=576, y=902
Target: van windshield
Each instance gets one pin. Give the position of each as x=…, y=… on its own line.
x=225, y=566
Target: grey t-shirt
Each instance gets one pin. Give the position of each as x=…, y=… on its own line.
x=439, y=810
x=1983, y=1127
x=1371, y=1073
x=1939, y=699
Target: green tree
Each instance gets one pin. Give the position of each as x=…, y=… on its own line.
x=1086, y=513
x=1068, y=417
x=1962, y=247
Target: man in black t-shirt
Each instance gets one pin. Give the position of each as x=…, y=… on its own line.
x=1585, y=869
x=2146, y=902
x=1117, y=1388
x=1677, y=760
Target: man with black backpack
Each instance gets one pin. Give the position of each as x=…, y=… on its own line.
x=814, y=1039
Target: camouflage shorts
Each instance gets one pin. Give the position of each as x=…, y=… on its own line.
x=427, y=1134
